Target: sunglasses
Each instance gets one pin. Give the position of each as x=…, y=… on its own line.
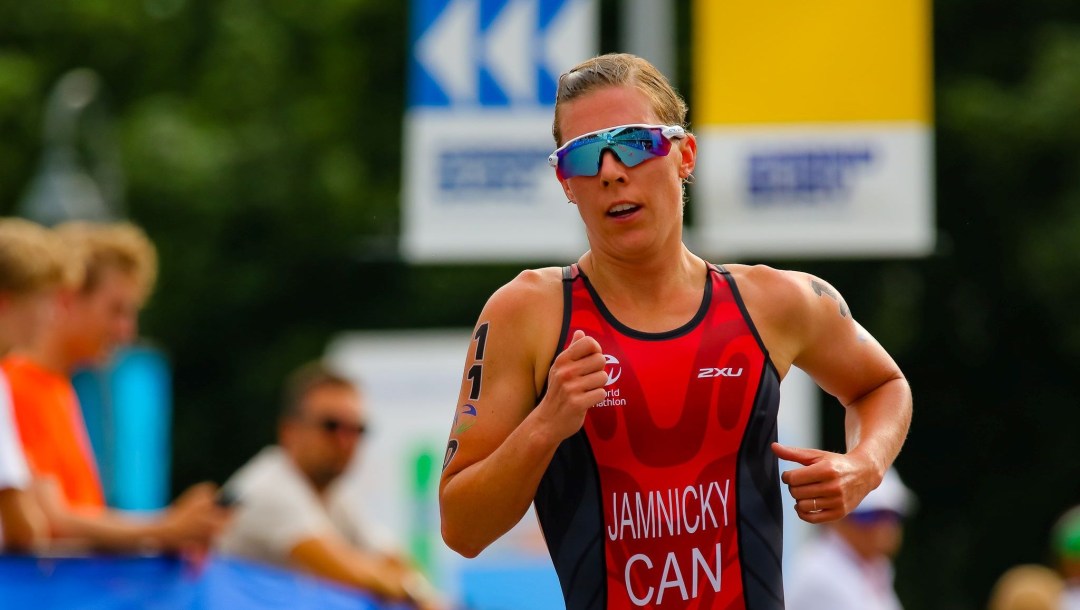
x=632, y=144
x=330, y=425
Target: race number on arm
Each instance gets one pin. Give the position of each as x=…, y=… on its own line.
x=501, y=440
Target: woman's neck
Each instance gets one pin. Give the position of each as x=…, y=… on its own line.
x=655, y=277
x=649, y=296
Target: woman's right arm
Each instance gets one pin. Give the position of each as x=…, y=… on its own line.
x=500, y=445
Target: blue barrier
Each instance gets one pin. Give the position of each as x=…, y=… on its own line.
x=511, y=585
x=163, y=583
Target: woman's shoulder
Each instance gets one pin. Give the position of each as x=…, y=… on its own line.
x=787, y=307
x=758, y=278
x=523, y=318
x=531, y=290
x=780, y=289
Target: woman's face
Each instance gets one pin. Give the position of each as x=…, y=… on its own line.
x=629, y=212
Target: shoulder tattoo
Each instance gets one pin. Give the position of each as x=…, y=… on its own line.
x=826, y=290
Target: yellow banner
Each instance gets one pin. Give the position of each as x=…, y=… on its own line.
x=811, y=61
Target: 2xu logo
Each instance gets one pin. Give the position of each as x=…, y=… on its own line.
x=724, y=372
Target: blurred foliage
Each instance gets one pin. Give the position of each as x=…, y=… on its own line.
x=991, y=339
x=262, y=149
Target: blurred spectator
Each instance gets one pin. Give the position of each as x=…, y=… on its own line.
x=291, y=511
x=1065, y=538
x=1027, y=587
x=31, y=270
x=118, y=265
x=849, y=566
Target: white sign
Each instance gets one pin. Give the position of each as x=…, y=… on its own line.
x=837, y=190
x=478, y=130
x=815, y=129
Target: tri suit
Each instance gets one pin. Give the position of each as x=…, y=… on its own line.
x=669, y=495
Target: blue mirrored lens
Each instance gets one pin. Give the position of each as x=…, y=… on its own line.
x=581, y=160
x=632, y=145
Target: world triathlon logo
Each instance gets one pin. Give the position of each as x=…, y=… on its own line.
x=611, y=396
x=612, y=368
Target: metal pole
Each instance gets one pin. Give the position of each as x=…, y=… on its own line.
x=648, y=30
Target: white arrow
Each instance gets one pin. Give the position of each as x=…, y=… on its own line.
x=571, y=36
x=447, y=49
x=508, y=49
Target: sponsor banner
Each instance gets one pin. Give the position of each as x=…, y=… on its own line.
x=478, y=187
x=815, y=191
x=482, y=81
x=814, y=127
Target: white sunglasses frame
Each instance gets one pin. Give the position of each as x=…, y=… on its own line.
x=671, y=132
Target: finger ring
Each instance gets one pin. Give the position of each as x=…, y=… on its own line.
x=815, y=506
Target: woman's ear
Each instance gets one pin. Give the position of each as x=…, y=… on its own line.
x=688, y=150
x=565, y=184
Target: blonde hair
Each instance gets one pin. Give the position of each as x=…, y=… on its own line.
x=31, y=258
x=1027, y=587
x=120, y=246
x=619, y=69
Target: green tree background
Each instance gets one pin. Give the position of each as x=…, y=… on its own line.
x=261, y=142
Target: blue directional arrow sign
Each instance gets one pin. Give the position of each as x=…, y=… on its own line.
x=495, y=52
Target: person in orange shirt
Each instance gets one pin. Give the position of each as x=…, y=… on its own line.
x=119, y=266
x=31, y=271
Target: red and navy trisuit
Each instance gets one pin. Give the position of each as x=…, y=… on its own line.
x=669, y=495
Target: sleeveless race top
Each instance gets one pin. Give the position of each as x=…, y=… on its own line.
x=669, y=495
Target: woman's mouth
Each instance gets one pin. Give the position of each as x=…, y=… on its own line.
x=623, y=209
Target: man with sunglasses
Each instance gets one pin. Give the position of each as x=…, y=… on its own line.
x=632, y=396
x=849, y=565
x=291, y=512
